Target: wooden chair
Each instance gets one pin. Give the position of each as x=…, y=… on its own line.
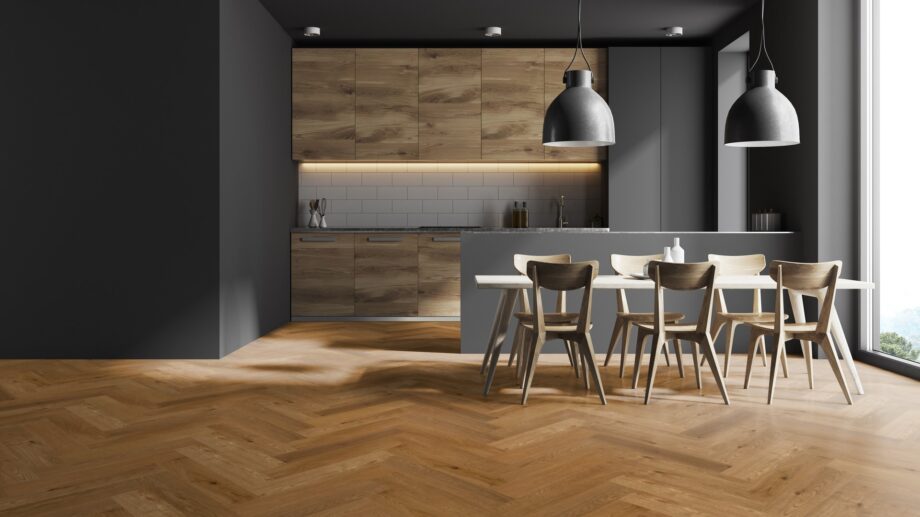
x=795, y=276
x=740, y=265
x=627, y=265
x=680, y=277
x=561, y=277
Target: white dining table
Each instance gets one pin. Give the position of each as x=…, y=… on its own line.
x=510, y=285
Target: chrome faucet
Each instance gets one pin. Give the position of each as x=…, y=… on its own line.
x=561, y=221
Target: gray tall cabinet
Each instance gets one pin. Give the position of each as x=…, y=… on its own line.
x=660, y=172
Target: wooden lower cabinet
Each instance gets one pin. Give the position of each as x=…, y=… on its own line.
x=386, y=274
x=322, y=274
x=439, y=274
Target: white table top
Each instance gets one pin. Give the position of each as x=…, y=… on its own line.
x=624, y=282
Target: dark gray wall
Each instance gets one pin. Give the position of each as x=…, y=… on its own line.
x=732, y=205
x=109, y=200
x=484, y=253
x=660, y=175
x=258, y=180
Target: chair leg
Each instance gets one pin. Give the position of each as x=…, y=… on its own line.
x=809, y=363
x=777, y=351
x=763, y=350
x=617, y=330
x=680, y=358
x=536, y=346
x=576, y=359
x=784, y=360
x=729, y=341
x=568, y=353
x=493, y=364
x=640, y=342
x=710, y=351
x=580, y=351
x=667, y=356
x=627, y=327
x=657, y=343
x=714, y=335
x=752, y=351
x=831, y=353
x=697, y=365
x=516, y=345
x=524, y=357
x=592, y=367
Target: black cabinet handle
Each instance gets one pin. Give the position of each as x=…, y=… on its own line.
x=384, y=239
x=445, y=239
x=317, y=239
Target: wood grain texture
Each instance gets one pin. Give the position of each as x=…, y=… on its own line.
x=556, y=60
x=512, y=104
x=386, y=275
x=438, y=275
x=374, y=418
x=450, y=103
x=387, y=104
x=323, y=104
x=323, y=275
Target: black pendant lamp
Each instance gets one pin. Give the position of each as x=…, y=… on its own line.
x=762, y=116
x=578, y=117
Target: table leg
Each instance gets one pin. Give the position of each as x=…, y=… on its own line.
x=840, y=340
x=505, y=310
x=798, y=312
x=502, y=300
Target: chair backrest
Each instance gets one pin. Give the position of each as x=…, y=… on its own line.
x=631, y=264
x=563, y=277
x=812, y=276
x=683, y=277
x=739, y=265
x=520, y=264
x=520, y=261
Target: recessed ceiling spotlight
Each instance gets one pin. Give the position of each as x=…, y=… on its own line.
x=673, y=32
x=311, y=32
x=493, y=32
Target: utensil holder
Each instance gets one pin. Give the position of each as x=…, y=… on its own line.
x=314, y=220
x=322, y=222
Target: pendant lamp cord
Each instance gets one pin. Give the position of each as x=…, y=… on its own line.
x=763, y=39
x=578, y=48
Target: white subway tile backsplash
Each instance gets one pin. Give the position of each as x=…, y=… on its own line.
x=332, y=192
x=437, y=178
x=437, y=205
x=467, y=206
x=392, y=192
x=392, y=220
x=483, y=192
x=408, y=206
x=423, y=193
x=453, y=193
x=422, y=220
x=377, y=205
x=453, y=220
x=346, y=179
x=362, y=192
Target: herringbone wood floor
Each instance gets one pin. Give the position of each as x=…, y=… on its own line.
x=381, y=418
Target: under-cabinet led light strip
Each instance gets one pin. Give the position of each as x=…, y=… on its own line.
x=449, y=167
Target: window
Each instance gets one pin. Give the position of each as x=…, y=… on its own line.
x=891, y=113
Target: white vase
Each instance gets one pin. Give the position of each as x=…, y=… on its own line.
x=677, y=253
x=322, y=222
x=667, y=255
x=314, y=219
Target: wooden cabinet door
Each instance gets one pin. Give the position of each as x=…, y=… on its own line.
x=450, y=115
x=386, y=274
x=386, y=104
x=512, y=104
x=556, y=61
x=323, y=104
x=322, y=274
x=439, y=274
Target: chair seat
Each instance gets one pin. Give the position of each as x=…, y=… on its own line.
x=790, y=327
x=559, y=329
x=670, y=328
x=548, y=317
x=649, y=317
x=748, y=317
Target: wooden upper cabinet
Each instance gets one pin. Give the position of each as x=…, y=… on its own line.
x=450, y=102
x=323, y=104
x=512, y=104
x=556, y=61
x=387, y=104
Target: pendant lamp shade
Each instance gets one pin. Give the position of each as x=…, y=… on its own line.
x=578, y=117
x=762, y=116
